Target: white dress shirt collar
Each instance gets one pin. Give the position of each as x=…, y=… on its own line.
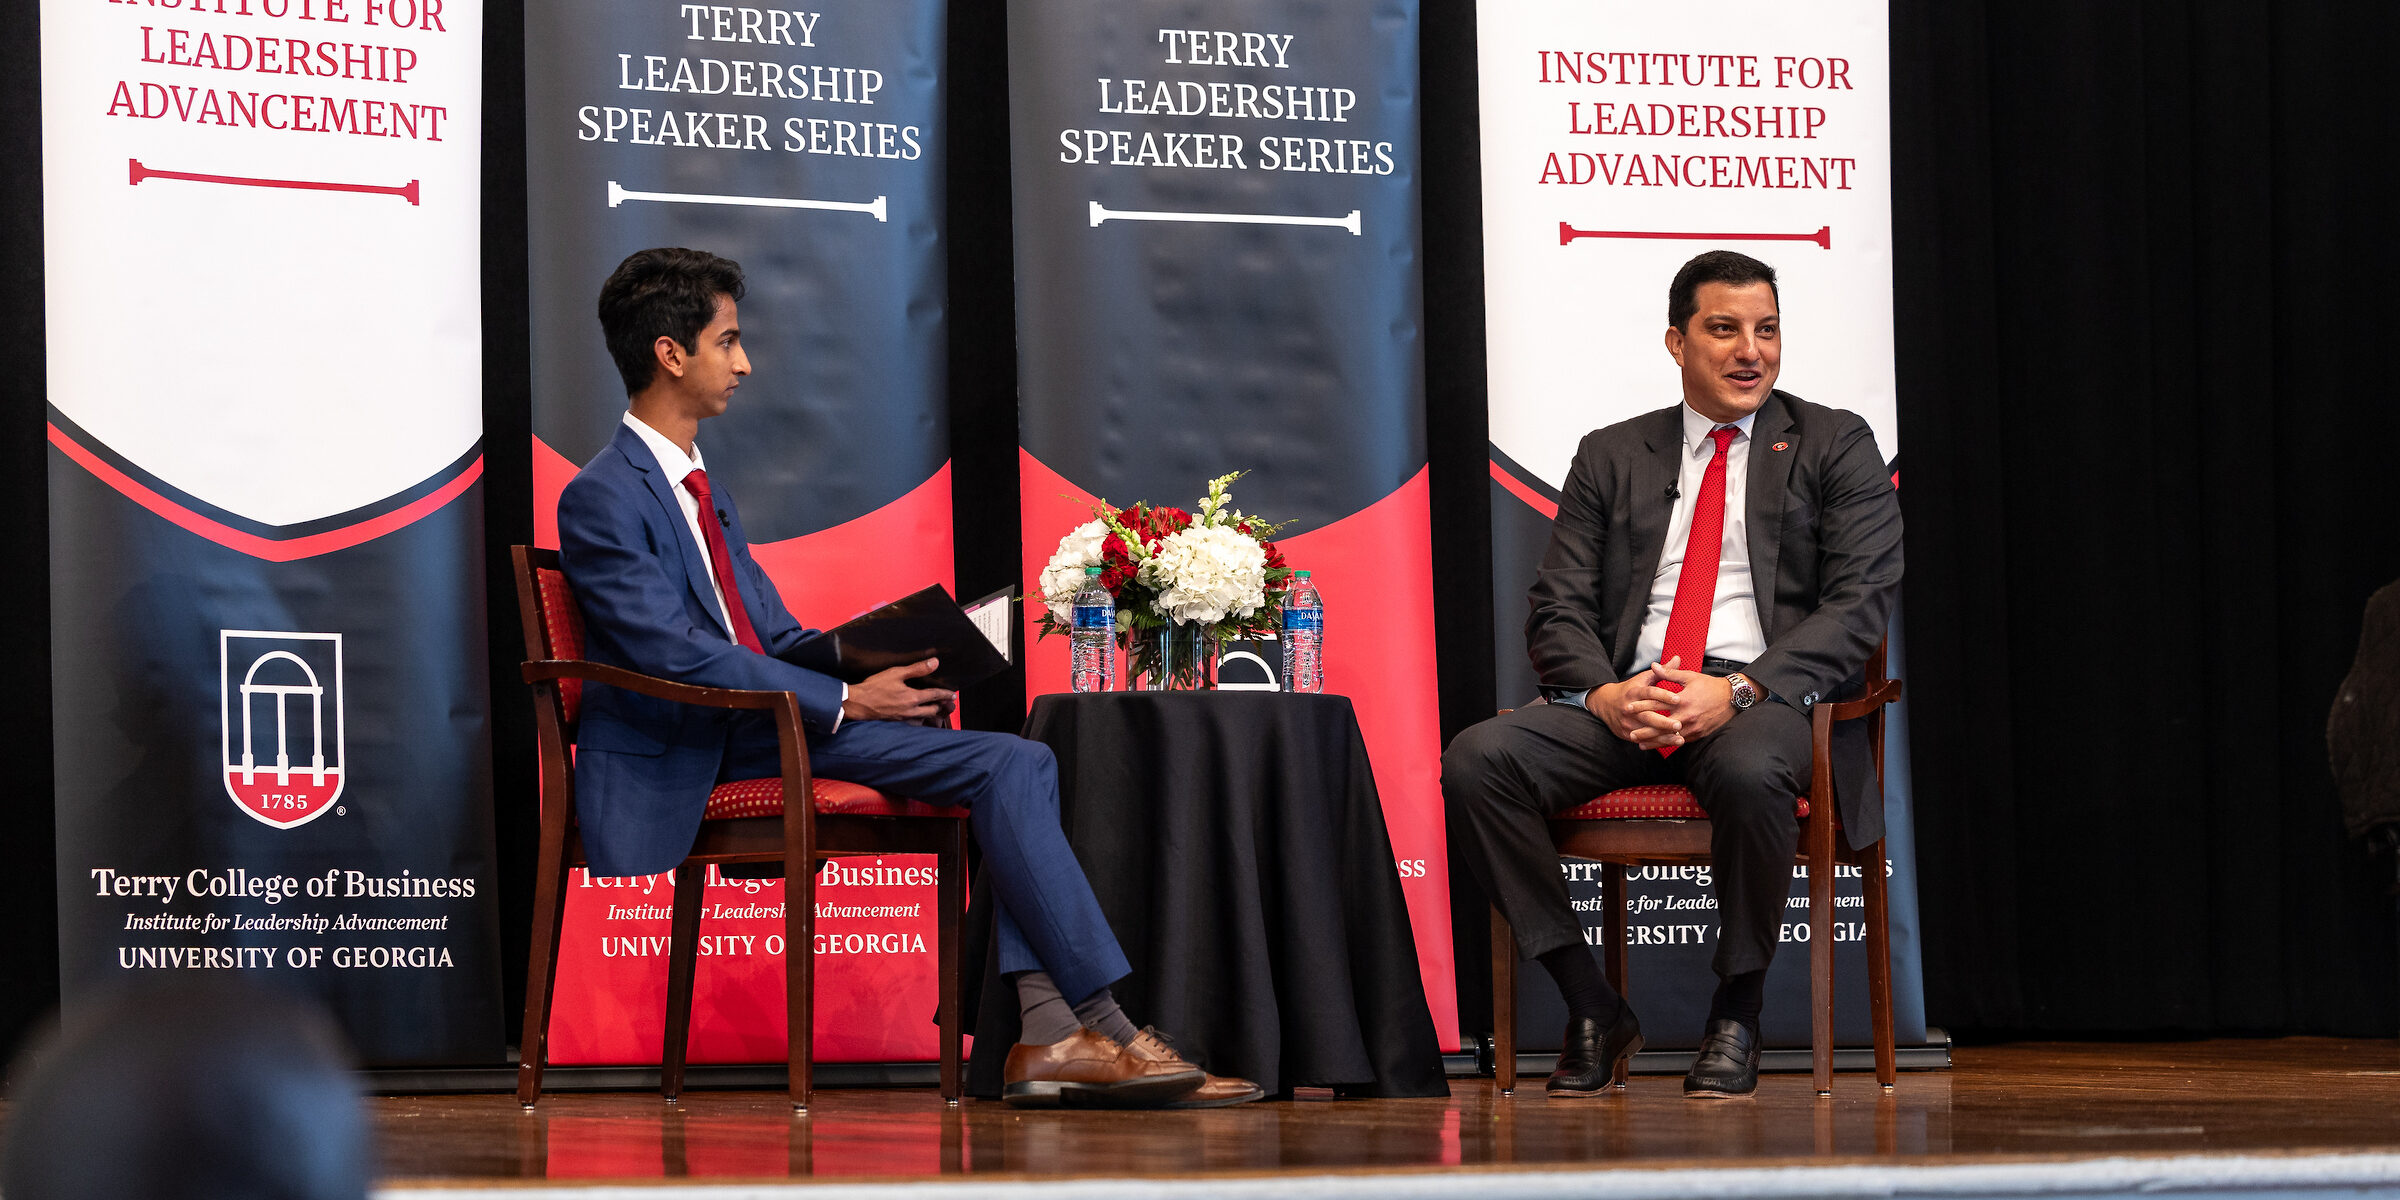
x=1696, y=427
x=671, y=458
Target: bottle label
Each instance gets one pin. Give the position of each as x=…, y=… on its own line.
x=1304, y=620
x=1093, y=616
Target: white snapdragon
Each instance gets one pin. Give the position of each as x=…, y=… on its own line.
x=1207, y=573
x=1063, y=577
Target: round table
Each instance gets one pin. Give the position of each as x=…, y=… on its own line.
x=1237, y=845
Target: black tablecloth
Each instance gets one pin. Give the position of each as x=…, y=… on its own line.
x=1238, y=847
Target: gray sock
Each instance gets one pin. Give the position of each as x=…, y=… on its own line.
x=1042, y=1011
x=1100, y=1014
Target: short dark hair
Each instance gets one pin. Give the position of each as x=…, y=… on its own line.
x=1716, y=266
x=665, y=292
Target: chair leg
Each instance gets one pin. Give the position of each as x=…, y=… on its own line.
x=1504, y=1003
x=1820, y=948
x=1612, y=901
x=952, y=892
x=541, y=965
x=1879, y=962
x=799, y=966
x=683, y=962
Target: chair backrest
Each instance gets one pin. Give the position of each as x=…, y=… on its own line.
x=553, y=624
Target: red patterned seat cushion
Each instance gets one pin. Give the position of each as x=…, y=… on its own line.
x=1652, y=802
x=562, y=627
x=764, y=798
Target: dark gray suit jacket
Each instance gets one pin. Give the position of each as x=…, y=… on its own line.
x=1824, y=532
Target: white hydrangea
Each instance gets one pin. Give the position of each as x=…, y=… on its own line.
x=1064, y=576
x=1206, y=574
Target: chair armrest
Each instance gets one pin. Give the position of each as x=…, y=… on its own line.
x=651, y=685
x=1860, y=706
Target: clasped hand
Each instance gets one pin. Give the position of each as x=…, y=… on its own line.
x=888, y=696
x=1640, y=711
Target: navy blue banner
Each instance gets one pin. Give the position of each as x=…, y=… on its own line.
x=805, y=144
x=1217, y=223
x=276, y=768
x=268, y=669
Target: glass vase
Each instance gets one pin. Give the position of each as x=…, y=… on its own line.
x=1179, y=658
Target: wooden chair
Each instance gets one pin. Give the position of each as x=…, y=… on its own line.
x=1664, y=824
x=747, y=821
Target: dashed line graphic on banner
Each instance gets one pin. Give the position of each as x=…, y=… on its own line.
x=618, y=194
x=1823, y=237
x=1101, y=213
x=135, y=173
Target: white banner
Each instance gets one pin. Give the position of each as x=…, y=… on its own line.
x=262, y=225
x=1620, y=140
x=263, y=266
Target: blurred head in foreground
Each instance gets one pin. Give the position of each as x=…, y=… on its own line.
x=197, y=1090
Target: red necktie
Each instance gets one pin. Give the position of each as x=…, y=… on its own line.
x=1696, y=587
x=720, y=559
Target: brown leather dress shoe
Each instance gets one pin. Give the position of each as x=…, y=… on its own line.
x=1221, y=1091
x=1087, y=1070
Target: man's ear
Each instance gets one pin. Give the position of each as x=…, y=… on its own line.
x=669, y=353
x=1675, y=344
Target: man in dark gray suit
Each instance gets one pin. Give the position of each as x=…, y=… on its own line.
x=1674, y=658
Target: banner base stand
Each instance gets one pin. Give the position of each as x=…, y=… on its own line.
x=1933, y=1055
x=743, y=1077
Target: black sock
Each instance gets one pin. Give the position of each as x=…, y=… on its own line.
x=1739, y=998
x=1580, y=981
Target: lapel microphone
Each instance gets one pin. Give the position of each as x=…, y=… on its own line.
x=721, y=521
x=1673, y=492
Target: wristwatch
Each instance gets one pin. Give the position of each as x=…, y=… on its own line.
x=1745, y=693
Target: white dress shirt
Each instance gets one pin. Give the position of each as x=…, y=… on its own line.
x=1734, y=632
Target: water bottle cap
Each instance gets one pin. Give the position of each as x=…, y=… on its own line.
x=1303, y=574
x=1091, y=572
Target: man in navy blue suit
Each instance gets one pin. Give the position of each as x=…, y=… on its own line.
x=662, y=572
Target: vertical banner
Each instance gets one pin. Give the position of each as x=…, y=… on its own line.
x=1618, y=143
x=266, y=552
x=1216, y=215
x=806, y=145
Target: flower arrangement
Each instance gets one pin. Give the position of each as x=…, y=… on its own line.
x=1216, y=572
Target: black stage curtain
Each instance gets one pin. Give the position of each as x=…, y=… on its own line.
x=2140, y=287
x=2139, y=292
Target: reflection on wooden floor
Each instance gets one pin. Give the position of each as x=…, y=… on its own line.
x=2051, y=1101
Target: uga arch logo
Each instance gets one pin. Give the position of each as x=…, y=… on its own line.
x=279, y=707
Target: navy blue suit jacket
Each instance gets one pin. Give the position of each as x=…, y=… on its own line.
x=644, y=767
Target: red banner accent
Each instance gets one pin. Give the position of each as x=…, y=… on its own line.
x=551, y=471
x=876, y=987
x=1823, y=237
x=1516, y=487
x=1375, y=571
x=135, y=173
x=251, y=544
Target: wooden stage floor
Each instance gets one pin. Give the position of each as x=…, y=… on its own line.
x=2008, y=1104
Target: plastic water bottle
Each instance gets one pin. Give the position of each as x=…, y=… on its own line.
x=1093, y=641
x=1303, y=638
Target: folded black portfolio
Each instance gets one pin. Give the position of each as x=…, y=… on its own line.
x=971, y=641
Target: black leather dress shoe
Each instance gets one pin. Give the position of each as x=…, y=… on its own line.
x=1587, y=1063
x=1728, y=1062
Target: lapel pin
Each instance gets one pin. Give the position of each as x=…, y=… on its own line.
x=1780, y=446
